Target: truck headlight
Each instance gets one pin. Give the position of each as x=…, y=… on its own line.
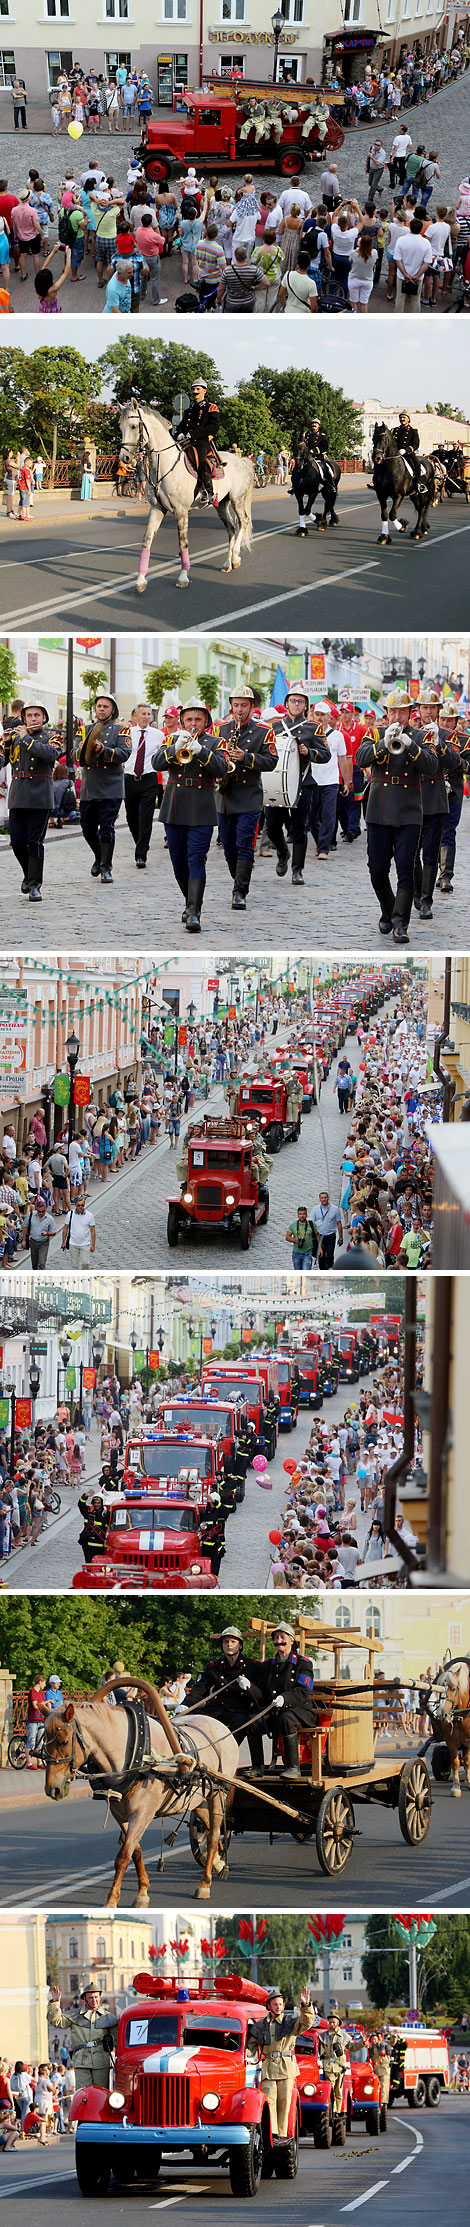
x=229, y=1199
x=195, y=1570
x=263, y=1121
x=309, y=2091
x=211, y=2101
x=368, y=2091
x=187, y=1198
x=116, y=2100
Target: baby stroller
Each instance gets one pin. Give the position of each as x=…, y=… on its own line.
x=201, y=298
x=333, y=296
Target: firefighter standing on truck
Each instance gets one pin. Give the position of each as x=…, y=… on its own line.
x=335, y=2059
x=275, y=2035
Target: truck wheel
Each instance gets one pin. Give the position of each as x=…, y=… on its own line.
x=173, y=1225
x=373, y=2119
x=158, y=168
x=93, y=2170
x=417, y=2096
x=290, y=163
x=245, y=1229
x=323, y=2131
x=440, y=1761
x=433, y=2092
x=414, y=1802
x=286, y=2158
x=148, y=2168
x=383, y=2118
x=339, y=2130
x=334, y=1831
x=246, y=2166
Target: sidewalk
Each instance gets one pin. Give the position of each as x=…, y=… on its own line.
x=69, y=1495
x=19, y=1789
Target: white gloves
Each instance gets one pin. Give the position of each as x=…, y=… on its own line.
x=244, y=1684
x=279, y=1702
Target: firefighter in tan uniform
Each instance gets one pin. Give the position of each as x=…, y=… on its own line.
x=275, y=2035
x=335, y=2059
x=93, y=2035
x=380, y=2060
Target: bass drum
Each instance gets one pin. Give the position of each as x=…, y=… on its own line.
x=281, y=787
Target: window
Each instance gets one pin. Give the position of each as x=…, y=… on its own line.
x=391, y=10
x=455, y=1638
x=289, y=69
x=7, y=69
x=116, y=9
x=233, y=11
x=347, y=1940
x=352, y=11
x=73, y=1952
x=373, y=1623
x=121, y=1951
x=111, y=62
x=347, y=1973
x=343, y=1618
x=132, y=1951
x=292, y=10
x=175, y=11
x=100, y=1952
x=4, y=7
x=57, y=7
x=232, y=65
x=58, y=62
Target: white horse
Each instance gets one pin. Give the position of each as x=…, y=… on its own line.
x=172, y=487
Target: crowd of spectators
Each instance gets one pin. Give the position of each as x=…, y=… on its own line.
x=333, y=1530
x=35, y=2099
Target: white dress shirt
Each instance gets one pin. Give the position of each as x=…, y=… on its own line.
x=154, y=737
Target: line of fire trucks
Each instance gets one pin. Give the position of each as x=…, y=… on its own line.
x=190, y=1464
x=187, y=2080
x=223, y=1167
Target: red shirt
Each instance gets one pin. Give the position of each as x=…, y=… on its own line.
x=35, y=1704
x=8, y=201
x=352, y=736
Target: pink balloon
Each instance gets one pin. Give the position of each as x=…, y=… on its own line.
x=260, y=1462
x=265, y=1482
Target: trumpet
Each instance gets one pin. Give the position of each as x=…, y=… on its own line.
x=231, y=762
x=183, y=753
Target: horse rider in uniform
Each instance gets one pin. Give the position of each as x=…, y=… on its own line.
x=287, y=1680
x=317, y=444
x=93, y=2035
x=406, y=439
x=251, y=750
x=30, y=748
x=193, y=763
x=448, y=730
x=434, y=800
x=295, y=716
x=242, y=1696
x=95, y=1524
x=275, y=2034
x=103, y=756
x=199, y=426
x=335, y=2059
x=394, y=810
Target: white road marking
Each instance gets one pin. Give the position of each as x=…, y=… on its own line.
x=328, y=580
x=15, y=2188
x=165, y=2206
x=446, y=1893
x=80, y=1879
x=366, y=2198
x=405, y=2161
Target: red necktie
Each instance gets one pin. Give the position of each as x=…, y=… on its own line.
x=140, y=759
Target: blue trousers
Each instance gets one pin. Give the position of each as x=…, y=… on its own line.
x=449, y=831
x=98, y=820
x=188, y=848
x=349, y=805
x=237, y=832
x=387, y=843
x=301, y=1260
x=323, y=815
x=27, y=835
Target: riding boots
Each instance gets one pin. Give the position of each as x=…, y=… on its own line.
x=384, y=892
x=446, y=863
x=34, y=880
x=241, y=884
x=401, y=914
x=196, y=889
x=299, y=852
x=106, y=862
x=427, y=890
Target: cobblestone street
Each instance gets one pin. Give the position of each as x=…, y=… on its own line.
x=335, y=910
x=131, y=1213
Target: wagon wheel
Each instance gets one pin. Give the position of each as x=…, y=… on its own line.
x=198, y=1846
x=302, y=1828
x=415, y=1801
x=334, y=1830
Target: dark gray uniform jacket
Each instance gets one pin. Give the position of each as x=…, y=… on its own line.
x=32, y=758
x=105, y=778
x=395, y=798
x=189, y=798
x=244, y=792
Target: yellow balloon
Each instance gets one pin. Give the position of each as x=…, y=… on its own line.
x=75, y=131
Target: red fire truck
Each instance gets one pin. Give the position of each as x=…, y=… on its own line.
x=172, y=1457
x=288, y=1392
x=267, y=1101
x=367, y=2096
x=222, y=1189
x=225, y=1378
x=209, y=127
x=215, y=1418
x=186, y=2085
x=153, y=1541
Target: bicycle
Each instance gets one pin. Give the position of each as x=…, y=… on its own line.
x=18, y=1753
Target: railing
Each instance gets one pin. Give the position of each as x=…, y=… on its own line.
x=19, y=1702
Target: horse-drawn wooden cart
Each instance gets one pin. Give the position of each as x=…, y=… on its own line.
x=339, y=1764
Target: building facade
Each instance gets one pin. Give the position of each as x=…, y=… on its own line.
x=45, y=1000
x=432, y=428
x=23, y=1987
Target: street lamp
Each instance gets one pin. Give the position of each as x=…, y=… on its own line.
x=191, y=1010
x=73, y=1054
x=277, y=21
x=65, y=1350
x=34, y=1383
x=213, y=1326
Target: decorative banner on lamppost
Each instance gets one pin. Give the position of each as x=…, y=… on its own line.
x=23, y=1415
x=207, y=1345
x=70, y=1379
x=417, y=1930
x=12, y=1060
x=61, y=1090
x=139, y=1358
x=4, y=1413
x=89, y=1379
x=168, y=1035
x=82, y=1090
x=154, y=1357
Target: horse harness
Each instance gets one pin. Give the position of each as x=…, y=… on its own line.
x=139, y=1763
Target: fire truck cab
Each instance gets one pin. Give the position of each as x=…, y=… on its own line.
x=153, y=1540
x=318, y=2115
x=366, y=2091
x=223, y=1380
x=222, y=1188
x=186, y=2085
x=267, y=1100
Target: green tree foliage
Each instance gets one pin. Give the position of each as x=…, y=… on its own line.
x=9, y=682
x=385, y=1974
x=93, y=681
x=443, y=1967
x=155, y=371
x=295, y=397
x=162, y=678
x=247, y=422
x=80, y=1639
x=51, y=388
x=208, y=688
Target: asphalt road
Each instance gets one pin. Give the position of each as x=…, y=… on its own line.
x=54, y=1855
x=51, y=1564
x=64, y=566
x=330, y=2186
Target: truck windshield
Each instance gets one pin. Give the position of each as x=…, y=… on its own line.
x=166, y=1461
x=213, y=2033
x=161, y=2028
x=251, y=1390
x=146, y=1517
x=222, y=1157
x=209, y=1421
x=283, y=1372
x=357, y=2053
x=306, y=2045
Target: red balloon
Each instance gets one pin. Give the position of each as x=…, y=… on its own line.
x=275, y=1537
x=290, y=1465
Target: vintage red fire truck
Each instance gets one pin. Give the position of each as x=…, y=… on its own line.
x=222, y=1189
x=366, y=2091
x=153, y=1539
x=217, y=1419
x=318, y=2115
x=419, y=2067
x=209, y=128
x=267, y=1101
x=288, y=1392
x=185, y=2086
x=223, y=1379
x=171, y=1456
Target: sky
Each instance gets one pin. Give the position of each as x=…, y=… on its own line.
x=353, y=353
